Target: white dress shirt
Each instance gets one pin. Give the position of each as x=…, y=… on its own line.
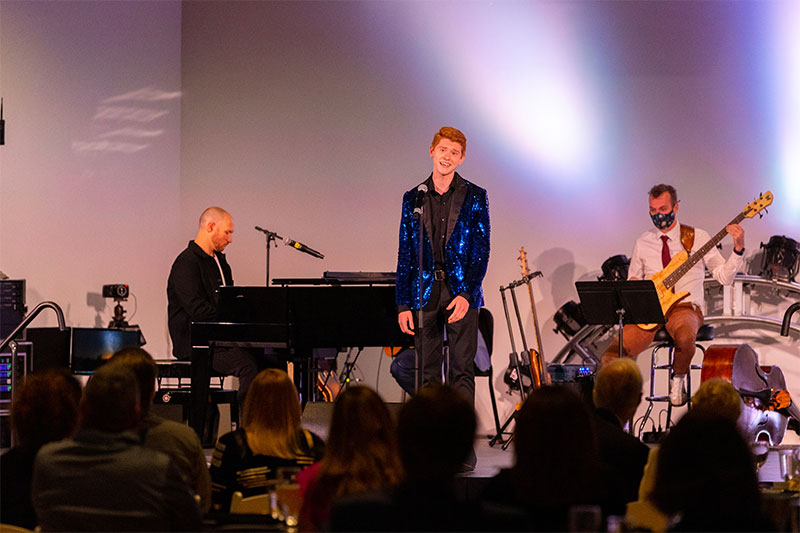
x=646, y=261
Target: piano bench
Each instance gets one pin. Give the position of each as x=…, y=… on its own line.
x=182, y=396
x=182, y=370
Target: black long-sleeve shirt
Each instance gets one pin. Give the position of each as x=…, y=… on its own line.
x=192, y=294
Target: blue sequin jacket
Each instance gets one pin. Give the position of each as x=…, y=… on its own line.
x=466, y=247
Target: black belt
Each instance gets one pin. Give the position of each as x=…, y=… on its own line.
x=439, y=275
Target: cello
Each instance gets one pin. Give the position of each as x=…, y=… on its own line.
x=766, y=404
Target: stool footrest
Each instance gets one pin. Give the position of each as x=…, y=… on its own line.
x=657, y=398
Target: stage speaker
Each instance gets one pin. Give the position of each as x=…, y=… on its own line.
x=317, y=416
x=50, y=348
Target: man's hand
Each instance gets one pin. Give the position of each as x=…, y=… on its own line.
x=736, y=231
x=406, y=321
x=460, y=306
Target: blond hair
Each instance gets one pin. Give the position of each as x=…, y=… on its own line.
x=271, y=417
x=718, y=396
x=618, y=385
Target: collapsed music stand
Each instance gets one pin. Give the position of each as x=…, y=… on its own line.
x=620, y=302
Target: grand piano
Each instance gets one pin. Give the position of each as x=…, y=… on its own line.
x=295, y=316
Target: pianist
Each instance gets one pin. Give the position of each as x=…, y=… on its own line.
x=193, y=291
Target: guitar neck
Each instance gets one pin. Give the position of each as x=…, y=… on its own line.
x=692, y=260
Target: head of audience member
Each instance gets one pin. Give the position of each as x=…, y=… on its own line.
x=215, y=231
x=618, y=388
x=144, y=369
x=706, y=472
x=110, y=400
x=271, y=415
x=718, y=396
x=362, y=446
x=436, y=429
x=45, y=408
x=554, y=447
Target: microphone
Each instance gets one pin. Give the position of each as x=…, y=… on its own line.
x=421, y=190
x=303, y=248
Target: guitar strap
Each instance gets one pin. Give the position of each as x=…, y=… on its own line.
x=687, y=238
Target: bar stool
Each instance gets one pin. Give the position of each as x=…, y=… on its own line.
x=663, y=340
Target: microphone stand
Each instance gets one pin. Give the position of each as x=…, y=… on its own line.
x=271, y=237
x=418, y=375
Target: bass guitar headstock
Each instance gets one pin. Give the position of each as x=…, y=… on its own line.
x=759, y=204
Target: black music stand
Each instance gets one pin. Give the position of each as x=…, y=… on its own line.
x=620, y=302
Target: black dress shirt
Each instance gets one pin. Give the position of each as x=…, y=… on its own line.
x=440, y=211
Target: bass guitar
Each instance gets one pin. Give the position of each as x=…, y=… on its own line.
x=682, y=262
x=538, y=367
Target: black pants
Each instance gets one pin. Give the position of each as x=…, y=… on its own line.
x=462, y=342
x=239, y=362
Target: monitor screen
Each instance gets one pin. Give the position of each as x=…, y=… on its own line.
x=91, y=347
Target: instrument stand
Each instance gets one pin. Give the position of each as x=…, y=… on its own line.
x=514, y=356
x=348, y=367
x=607, y=303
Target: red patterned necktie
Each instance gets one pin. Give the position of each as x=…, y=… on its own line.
x=665, y=257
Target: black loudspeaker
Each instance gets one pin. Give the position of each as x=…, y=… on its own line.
x=317, y=416
x=50, y=348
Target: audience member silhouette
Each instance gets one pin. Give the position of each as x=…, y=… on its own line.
x=361, y=456
x=556, y=463
x=718, y=396
x=706, y=476
x=436, y=429
x=247, y=460
x=617, y=393
x=44, y=409
x=103, y=479
x=178, y=441
x=715, y=396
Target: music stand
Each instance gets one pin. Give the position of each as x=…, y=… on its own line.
x=620, y=302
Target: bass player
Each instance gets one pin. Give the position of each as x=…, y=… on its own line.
x=651, y=253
